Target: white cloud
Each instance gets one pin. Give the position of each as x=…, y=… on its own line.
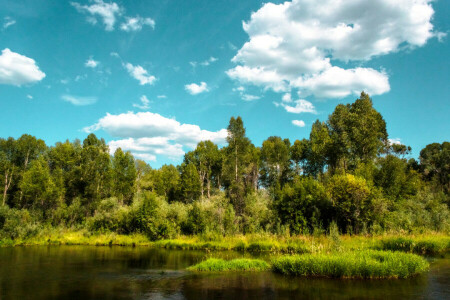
x=140, y=74
x=148, y=148
x=91, y=63
x=8, y=21
x=136, y=23
x=79, y=101
x=145, y=103
x=299, y=123
x=298, y=106
x=161, y=96
x=395, y=141
x=107, y=12
x=336, y=83
x=152, y=134
x=30, y=97
x=195, y=89
x=293, y=45
x=16, y=69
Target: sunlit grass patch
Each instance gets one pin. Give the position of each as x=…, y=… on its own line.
x=221, y=265
x=358, y=264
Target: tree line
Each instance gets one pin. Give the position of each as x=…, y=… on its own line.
x=347, y=172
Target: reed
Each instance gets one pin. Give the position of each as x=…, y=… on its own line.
x=357, y=264
x=240, y=264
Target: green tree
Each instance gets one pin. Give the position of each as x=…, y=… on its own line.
x=435, y=165
x=319, y=145
x=352, y=199
x=190, y=183
x=303, y=205
x=299, y=155
x=275, y=162
x=39, y=190
x=124, y=175
x=236, y=163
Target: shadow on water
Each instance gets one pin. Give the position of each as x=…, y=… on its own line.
x=81, y=272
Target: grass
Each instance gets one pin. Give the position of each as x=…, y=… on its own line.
x=250, y=243
x=67, y=237
x=240, y=264
x=429, y=245
x=357, y=264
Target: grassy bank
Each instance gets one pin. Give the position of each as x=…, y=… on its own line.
x=358, y=264
x=429, y=244
x=220, y=265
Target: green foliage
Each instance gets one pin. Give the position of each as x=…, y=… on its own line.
x=363, y=264
x=435, y=166
x=275, y=162
x=303, y=204
x=124, y=175
x=16, y=224
x=220, y=265
x=346, y=171
x=352, y=199
x=428, y=245
x=190, y=183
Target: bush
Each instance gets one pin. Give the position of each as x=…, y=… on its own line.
x=16, y=224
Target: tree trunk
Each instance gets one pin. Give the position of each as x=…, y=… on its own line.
x=208, y=186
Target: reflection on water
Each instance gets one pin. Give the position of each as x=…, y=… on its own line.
x=78, y=272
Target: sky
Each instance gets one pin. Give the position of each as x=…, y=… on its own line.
x=157, y=77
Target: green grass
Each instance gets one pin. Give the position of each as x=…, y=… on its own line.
x=240, y=264
x=430, y=245
x=357, y=264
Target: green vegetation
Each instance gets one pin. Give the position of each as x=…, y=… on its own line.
x=425, y=245
x=345, y=179
x=363, y=264
x=240, y=264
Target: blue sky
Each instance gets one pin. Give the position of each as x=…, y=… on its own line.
x=156, y=77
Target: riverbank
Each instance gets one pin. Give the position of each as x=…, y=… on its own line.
x=426, y=244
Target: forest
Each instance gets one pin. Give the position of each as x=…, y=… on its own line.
x=347, y=175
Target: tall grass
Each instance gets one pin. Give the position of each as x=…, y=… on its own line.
x=423, y=245
x=357, y=264
x=240, y=264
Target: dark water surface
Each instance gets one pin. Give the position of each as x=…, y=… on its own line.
x=83, y=272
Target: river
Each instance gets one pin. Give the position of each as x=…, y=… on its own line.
x=88, y=272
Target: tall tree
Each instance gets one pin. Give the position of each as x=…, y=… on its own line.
x=435, y=164
x=236, y=161
x=276, y=163
x=124, y=175
x=190, y=185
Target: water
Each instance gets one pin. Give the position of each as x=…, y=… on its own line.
x=82, y=272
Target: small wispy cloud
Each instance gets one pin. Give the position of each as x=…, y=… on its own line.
x=8, y=21
x=136, y=23
x=140, y=74
x=78, y=100
x=145, y=103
